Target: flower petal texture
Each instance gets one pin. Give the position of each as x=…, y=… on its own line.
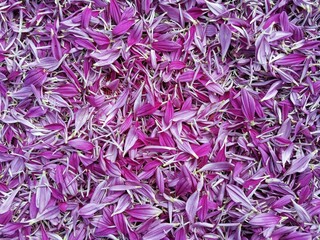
x=159, y=120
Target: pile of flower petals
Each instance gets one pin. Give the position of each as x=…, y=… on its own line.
x=156, y=120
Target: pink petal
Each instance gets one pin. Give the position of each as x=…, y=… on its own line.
x=123, y=27
x=265, y=220
x=225, y=39
x=81, y=144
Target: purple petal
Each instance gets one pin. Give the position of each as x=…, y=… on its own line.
x=238, y=196
x=225, y=39
x=165, y=46
x=301, y=164
x=90, y=209
x=265, y=220
x=135, y=34
x=123, y=27
x=81, y=144
x=192, y=206
x=144, y=212
x=248, y=105
x=43, y=194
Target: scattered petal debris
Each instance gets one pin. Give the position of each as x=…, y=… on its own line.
x=193, y=119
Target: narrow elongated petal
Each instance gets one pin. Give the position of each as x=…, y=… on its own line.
x=185, y=147
x=181, y=234
x=302, y=213
x=6, y=205
x=131, y=139
x=115, y=11
x=216, y=8
x=177, y=65
x=36, y=77
x=43, y=193
x=86, y=16
x=123, y=203
x=123, y=27
x=166, y=46
x=158, y=232
x=81, y=117
x=98, y=37
x=36, y=112
x=48, y=214
x=291, y=59
x=265, y=220
x=160, y=180
x=217, y=167
x=225, y=39
x=135, y=33
x=168, y=115
x=81, y=144
x=192, y=206
x=248, y=105
x=295, y=235
x=90, y=209
x=238, y=196
x=68, y=90
x=144, y=212
x=300, y=164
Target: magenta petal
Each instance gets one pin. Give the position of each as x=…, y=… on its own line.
x=6, y=205
x=143, y=212
x=216, y=8
x=248, y=106
x=168, y=115
x=89, y=209
x=181, y=234
x=265, y=220
x=238, y=196
x=158, y=232
x=192, y=206
x=135, y=34
x=81, y=144
x=166, y=46
x=131, y=139
x=123, y=27
x=225, y=39
x=98, y=37
x=291, y=59
x=43, y=193
x=300, y=164
x=36, y=77
x=86, y=16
